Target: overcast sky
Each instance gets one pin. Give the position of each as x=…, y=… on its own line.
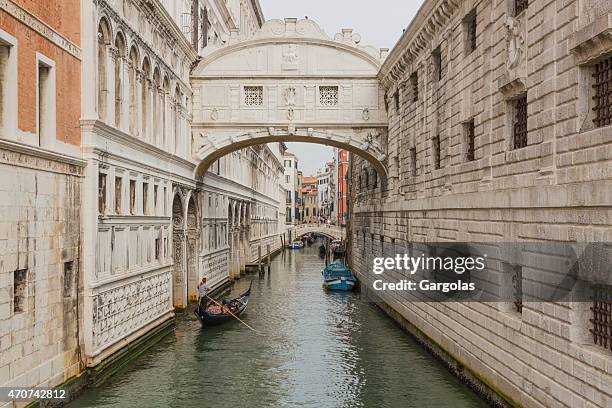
x=380, y=23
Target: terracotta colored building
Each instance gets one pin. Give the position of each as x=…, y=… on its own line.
x=310, y=200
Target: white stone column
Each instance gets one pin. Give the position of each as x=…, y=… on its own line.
x=164, y=143
x=150, y=111
x=110, y=84
x=125, y=90
x=138, y=104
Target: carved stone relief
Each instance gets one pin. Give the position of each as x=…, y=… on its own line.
x=290, y=57
x=514, y=41
x=365, y=114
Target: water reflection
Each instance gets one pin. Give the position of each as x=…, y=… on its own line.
x=315, y=349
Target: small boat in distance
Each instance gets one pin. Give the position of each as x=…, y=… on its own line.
x=296, y=245
x=215, y=314
x=338, y=277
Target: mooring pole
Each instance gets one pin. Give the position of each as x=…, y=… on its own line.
x=268, y=251
x=259, y=258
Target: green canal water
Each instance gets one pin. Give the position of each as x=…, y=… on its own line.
x=316, y=349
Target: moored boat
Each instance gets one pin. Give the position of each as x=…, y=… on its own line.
x=216, y=314
x=296, y=245
x=338, y=277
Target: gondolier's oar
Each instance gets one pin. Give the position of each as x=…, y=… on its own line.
x=231, y=314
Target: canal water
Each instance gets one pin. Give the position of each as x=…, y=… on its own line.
x=315, y=349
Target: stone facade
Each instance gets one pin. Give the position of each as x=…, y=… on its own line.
x=492, y=139
x=41, y=284
x=154, y=226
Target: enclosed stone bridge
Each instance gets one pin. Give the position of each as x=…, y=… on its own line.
x=290, y=82
x=330, y=231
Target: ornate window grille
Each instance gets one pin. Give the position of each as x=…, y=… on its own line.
x=520, y=6
x=602, y=85
x=437, y=63
x=517, y=283
x=471, y=136
x=396, y=99
x=253, y=95
x=601, y=323
x=414, y=84
x=470, y=22
x=436, y=152
x=519, y=127
x=328, y=95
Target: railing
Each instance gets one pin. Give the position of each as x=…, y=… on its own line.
x=334, y=231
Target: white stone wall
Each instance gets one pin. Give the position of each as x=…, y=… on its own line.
x=40, y=197
x=557, y=188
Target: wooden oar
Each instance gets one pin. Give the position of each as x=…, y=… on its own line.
x=233, y=315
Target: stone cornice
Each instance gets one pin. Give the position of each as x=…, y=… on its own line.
x=159, y=17
x=430, y=20
x=63, y=164
x=40, y=27
x=225, y=14
x=166, y=21
x=593, y=41
x=123, y=138
x=258, y=12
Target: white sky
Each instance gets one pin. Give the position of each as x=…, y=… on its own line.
x=380, y=23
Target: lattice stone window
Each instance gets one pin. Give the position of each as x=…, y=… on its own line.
x=470, y=138
x=470, y=29
x=436, y=57
x=601, y=322
x=253, y=95
x=414, y=86
x=517, y=283
x=519, y=124
x=437, y=159
x=520, y=6
x=328, y=95
x=413, y=161
x=602, y=86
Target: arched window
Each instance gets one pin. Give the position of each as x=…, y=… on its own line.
x=144, y=99
x=120, y=47
x=133, y=78
x=104, y=38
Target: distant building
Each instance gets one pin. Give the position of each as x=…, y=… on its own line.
x=326, y=188
x=310, y=200
x=290, y=163
x=342, y=193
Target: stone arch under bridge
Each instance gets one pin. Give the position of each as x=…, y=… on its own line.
x=290, y=82
x=329, y=231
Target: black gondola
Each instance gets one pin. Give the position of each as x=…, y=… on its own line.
x=214, y=314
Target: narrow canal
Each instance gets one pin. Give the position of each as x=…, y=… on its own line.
x=316, y=349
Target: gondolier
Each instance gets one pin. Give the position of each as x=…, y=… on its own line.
x=203, y=290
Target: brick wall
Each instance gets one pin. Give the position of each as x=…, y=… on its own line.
x=63, y=16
